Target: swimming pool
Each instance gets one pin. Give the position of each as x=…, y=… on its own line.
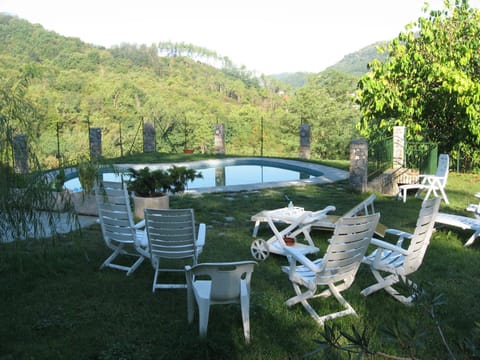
x=235, y=174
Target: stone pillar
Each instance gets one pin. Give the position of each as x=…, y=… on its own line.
x=149, y=144
x=398, y=146
x=95, y=143
x=20, y=151
x=304, y=151
x=220, y=178
x=359, y=164
x=219, y=144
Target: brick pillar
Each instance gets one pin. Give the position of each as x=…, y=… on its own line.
x=219, y=144
x=20, y=151
x=359, y=164
x=149, y=144
x=95, y=143
x=398, y=146
x=304, y=151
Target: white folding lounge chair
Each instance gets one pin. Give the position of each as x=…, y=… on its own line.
x=396, y=261
x=463, y=222
x=172, y=236
x=219, y=283
x=299, y=222
x=336, y=270
x=119, y=231
x=430, y=183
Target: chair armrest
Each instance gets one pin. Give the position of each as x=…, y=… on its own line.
x=202, y=230
x=302, y=259
x=140, y=224
x=318, y=215
x=402, y=235
x=387, y=246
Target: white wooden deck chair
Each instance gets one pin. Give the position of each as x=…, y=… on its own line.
x=432, y=184
x=119, y=231
x=336, y=270
x=299, y=222
x=397, y=262
x=172, y=236
x=219, y=283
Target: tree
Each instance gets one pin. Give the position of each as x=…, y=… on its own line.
x=428, y=82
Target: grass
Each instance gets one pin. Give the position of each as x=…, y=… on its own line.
x=56, y=304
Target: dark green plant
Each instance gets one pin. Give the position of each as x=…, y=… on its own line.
x=59, y=181
x=150, y=183
x=88, y=175
x=179, y=176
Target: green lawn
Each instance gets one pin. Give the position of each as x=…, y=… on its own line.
x=56, y=304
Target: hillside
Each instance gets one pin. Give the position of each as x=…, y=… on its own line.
x=184, y=90
x=355, y=64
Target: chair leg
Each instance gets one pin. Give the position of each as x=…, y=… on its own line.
x=157, y=264
x=110, y=258
x=135, y=265
x=203, y=315
x=245, y=307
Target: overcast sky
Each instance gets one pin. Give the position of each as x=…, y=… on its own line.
x=266, y=36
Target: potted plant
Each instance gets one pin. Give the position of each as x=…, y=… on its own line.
x=88, y=175
x=61, y=198
x=151, y=188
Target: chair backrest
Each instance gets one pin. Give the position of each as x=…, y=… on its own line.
x=347, y=247
x=442, y=168
x=422, y=235
x=226, y=279
x=171, y=233
x=365, y=207
x=115, y=213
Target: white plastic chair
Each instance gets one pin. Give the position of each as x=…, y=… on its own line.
x=227, y=283
x=172, y=236
x=463, y=222
x=396, y=261
x=336, y=270
x=430, y=183
x=119, y=231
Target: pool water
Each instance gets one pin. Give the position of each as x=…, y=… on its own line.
x=221, y=176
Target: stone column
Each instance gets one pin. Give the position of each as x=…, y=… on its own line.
x=149, y=144
x=398, y=146
x=359, y=164
x=304, y=151
x=95, y=143
x=20, y=151
x=219, y=144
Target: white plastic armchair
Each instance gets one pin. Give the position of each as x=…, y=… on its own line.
x=433, y=184
x=119, y=231
x=171, y=234
x=391, y=263
x=336, y=270
x=226, y=283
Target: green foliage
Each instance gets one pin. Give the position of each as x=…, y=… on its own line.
x=88, y=175
x=150, y=183
x=183, y=89
x=428, y=83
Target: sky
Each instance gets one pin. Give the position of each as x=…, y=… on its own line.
x=265, y=36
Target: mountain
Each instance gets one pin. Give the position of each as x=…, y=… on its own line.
x=356, y=63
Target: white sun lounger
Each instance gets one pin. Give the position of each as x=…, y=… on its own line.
x=462, y=222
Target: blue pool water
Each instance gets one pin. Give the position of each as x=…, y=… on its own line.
x=223, y=176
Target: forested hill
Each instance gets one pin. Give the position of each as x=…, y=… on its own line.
x=354, y=64
x=183, y=89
